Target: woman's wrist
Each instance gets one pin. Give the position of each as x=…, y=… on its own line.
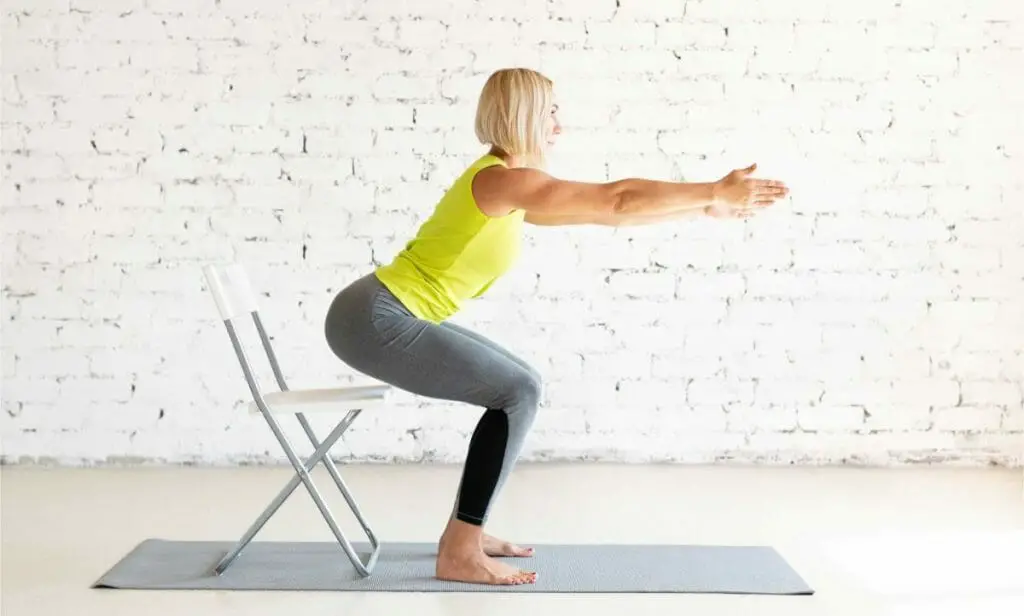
x=717, y=199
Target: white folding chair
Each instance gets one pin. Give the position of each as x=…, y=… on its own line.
x=233, y=295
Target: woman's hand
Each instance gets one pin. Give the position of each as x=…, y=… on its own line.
x=737, y=195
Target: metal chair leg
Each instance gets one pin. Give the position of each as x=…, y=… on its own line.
x=367, y=568
x=302, y=476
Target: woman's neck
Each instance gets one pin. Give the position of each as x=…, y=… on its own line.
x=512, y=160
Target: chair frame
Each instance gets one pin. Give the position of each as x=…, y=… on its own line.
x=229, y=312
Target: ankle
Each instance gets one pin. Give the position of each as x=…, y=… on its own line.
x=460, y=535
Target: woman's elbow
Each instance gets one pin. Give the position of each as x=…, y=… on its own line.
x=616, y=200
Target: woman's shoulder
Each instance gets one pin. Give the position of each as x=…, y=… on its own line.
x=468, y=177
x=461, y=194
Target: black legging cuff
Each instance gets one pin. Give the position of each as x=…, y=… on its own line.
x=483, y=466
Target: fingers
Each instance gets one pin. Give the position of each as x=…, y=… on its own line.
x=763, y=199
x=767, y=184
x=767, y=188
x=759, y=198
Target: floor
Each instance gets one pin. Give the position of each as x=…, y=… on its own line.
x=901, y=542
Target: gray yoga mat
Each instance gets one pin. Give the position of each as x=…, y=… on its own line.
x=409, y=567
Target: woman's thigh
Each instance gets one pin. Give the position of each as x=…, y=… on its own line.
x=372, y=332
x=426, y=359
x=492, y=345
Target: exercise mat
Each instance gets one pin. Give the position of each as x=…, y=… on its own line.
x=158, y=564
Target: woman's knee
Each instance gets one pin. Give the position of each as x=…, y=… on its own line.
x=537, y=378
x=526, y=389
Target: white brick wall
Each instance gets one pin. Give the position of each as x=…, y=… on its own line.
x=876, y=317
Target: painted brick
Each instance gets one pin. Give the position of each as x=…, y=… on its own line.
x=874, y=316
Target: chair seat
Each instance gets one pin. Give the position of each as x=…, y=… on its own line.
x=324, y=400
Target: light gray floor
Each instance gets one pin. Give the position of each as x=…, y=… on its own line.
x=886, y=542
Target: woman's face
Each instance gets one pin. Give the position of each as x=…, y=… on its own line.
x=552, y=127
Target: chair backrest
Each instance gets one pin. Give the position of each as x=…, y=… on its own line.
x=230, y=287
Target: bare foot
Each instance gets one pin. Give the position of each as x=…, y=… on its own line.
x=499, y=547
x=461, y=558
x=476, y=567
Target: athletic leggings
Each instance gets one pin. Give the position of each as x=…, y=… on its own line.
x=369, y=329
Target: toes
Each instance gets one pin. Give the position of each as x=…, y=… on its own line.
x=511, y=549
x=495, y=547
x=522, y=577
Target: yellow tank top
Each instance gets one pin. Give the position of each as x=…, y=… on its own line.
x=457, y=254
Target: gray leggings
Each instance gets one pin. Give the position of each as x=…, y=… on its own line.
x=369, y=329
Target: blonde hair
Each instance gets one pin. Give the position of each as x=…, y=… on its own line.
x=511, y=111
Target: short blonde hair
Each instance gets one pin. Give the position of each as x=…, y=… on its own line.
x=511, y=111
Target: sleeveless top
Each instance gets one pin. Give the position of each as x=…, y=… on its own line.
x=456, y=255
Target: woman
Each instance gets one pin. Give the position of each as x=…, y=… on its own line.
x=392, y=324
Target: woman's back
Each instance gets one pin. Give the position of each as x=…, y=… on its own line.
x=457, y=254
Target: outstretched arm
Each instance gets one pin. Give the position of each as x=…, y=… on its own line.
x=552, y=220
x=548, y=200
